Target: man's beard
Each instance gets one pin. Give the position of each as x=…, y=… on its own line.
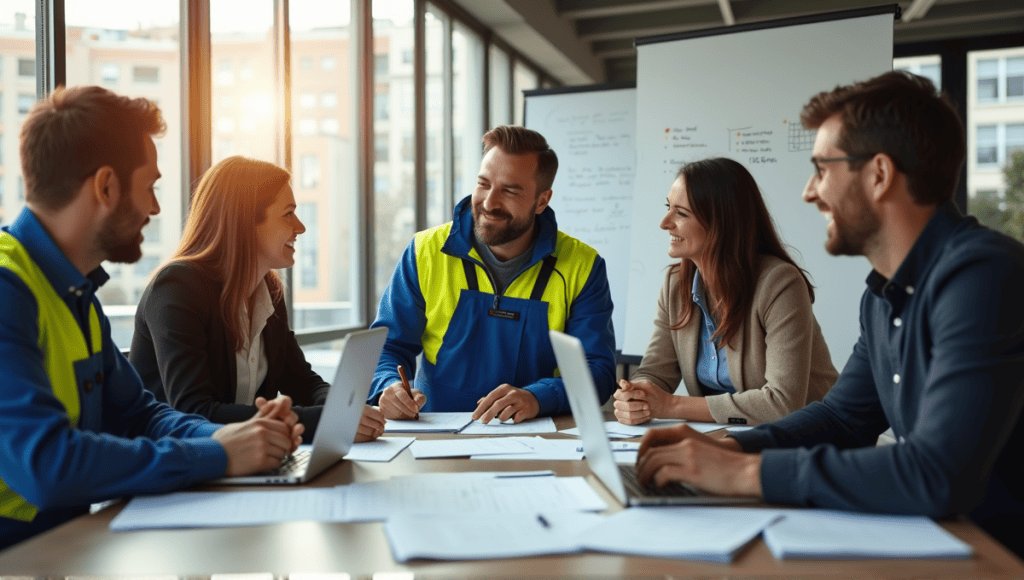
x=855, y=225
x=119, y=237
x=497, y=236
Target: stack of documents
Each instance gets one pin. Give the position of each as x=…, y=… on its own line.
x=826, y=534
x=709, y=534
x=437, y=494
x=430, y=423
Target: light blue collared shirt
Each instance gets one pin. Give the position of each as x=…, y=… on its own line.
x=712, y=367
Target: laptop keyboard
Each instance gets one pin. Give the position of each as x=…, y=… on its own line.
x=635, y=489
x=294, y=463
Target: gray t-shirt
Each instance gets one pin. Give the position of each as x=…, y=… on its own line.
x=502, y=273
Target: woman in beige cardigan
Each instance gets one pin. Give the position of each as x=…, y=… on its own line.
x=734, y=316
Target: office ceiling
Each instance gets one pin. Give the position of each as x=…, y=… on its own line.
x=591, y=41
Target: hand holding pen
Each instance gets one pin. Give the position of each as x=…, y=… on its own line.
x=399, y=401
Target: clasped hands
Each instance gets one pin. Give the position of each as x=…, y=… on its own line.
x=504, y=403
x=263, y=441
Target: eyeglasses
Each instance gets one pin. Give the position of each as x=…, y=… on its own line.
x=816, y=160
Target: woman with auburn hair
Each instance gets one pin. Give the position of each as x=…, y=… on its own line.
x=734, y=318
x=211, y=329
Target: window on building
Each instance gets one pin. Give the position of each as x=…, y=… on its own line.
x=988, y=80
x=406, y=57
x=306, y=63
x=329, y=126
x=1014, y=140
x=329, y=100
x=408, y=147
x=225, y=125
x=152, y=231
x=381, y=106
x=380, y=66
x=25, y=102
x=1015, y=78
x=27, y=67
x=328, y=63
x=146, y=74
x=307, y=100
x=987, y=145
x=307, y=245
x=245, y=70
x=309, y=171
x=307, y=127
x=110, y=72
x=380, y=148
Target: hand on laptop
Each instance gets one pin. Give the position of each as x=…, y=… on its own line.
x=371, y=424
x=396, y=403
x=640, y=401
x=683, y=454
x=261, y=443
x=507, y=402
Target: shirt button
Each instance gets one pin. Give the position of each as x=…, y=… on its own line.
x=902, y=439
x=99, y=377
x=896, y=378
x=87, y=386
x=909, y=289
x=78, y=292
x=71, y=288
x=897, y=322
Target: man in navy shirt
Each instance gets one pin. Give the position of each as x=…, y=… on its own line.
x=940, y=358
x=76, y=425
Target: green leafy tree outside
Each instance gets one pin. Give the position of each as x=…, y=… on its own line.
x=1004, y=214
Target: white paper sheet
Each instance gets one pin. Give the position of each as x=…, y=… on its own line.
x=430, y=423
x=528, y=427
x=834, y=535
x=467, y=447
x=381, y=450
x=543, y=450
x=378, y=501
x=458, y=537
x=692, y=533
x=230, y=508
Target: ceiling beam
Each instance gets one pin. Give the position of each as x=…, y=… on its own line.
x=917, y=10
x=580, y=9
x=726, y=9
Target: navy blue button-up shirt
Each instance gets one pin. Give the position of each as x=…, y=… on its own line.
x=940, y=359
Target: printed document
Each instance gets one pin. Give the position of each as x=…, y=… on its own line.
x=430, y=423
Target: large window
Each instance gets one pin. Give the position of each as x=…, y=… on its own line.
x=394, y=184
x=326, y=282
x=17, y=94
x=525, y=80
x=133, y=50
x=467, y=109
x=995, y=138
x=249, y=122
x=500, y=110
x=438, y=190
x=929, y=66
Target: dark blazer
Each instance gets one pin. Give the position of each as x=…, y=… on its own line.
x=180, y=350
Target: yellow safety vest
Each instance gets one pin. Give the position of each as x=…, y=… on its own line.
x=61, y=342
x=442, y=278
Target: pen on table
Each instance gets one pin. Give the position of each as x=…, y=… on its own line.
x=543, y=521
x=406, y=385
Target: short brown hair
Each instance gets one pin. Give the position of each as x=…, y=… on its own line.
x=902, y=115
x=75, y=131
x=518, y=140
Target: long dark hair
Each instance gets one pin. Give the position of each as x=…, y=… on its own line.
x=726, y=201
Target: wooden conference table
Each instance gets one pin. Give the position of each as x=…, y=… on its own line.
x=85, y=547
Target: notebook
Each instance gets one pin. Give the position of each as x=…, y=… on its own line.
x=620, y=480
x=339, y=420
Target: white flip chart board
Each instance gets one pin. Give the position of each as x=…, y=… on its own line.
x=592, y=132
x=737, y=92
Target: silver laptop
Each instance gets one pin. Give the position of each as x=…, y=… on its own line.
x=339, y=420
x=620, y=480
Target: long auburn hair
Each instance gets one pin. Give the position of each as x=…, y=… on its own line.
x=725, y=200
x=220, y=234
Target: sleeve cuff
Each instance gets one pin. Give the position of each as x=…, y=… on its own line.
x=548, y=398
x=208, y=458
x=779, y=476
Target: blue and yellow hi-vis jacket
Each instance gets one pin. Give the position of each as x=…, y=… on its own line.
x=441, y=302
